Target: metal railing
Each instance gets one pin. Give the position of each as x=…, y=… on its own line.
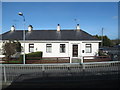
x=12, y=71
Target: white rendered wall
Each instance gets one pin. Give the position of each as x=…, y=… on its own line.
x=95, y=48
x=26, y=47
x=55, y=49
x=1, y=52
x=41, y=46
x=1, y=47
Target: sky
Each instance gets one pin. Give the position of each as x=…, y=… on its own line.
x=91, y=16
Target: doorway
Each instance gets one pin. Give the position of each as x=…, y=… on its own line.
x=75, y=51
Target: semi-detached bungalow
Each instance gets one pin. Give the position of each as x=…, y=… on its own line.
x=74, y=43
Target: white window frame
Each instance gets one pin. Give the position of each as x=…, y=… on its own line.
x=31, y=47
x=88, y=48
x=48, y=48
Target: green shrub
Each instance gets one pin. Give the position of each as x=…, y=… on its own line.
x=21, y=57
x=33, y=54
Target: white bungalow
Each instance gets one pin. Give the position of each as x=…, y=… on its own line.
x=74, y=43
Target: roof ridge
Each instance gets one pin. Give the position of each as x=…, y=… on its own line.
x=51, y=30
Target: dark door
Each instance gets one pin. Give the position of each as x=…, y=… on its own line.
x=75, y=50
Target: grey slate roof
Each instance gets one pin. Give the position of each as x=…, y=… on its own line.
x=48, y=35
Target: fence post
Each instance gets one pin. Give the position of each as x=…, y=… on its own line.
x=57, y=59
x=4, y=74
x=69, y=59
x=82, y=58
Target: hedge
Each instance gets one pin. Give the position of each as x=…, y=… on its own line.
x=33, y=54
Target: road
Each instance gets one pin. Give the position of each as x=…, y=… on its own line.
x=73, y=80
x=63, y=76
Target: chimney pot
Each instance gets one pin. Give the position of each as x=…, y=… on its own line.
x=30, y=28
x=12, y=28
x=58, y=27
x=78, y=27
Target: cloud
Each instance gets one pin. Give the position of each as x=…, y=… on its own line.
x=115, y=17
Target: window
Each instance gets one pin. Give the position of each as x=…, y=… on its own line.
x=48, y=48
x=31, y=47
x=62, y=48
x=88, y=48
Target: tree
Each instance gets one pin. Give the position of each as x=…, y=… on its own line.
x=106, y=40
x=18, y=46
x=10, y=48
x=116, y=41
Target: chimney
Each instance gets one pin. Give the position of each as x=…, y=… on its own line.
x=58, y=27
x=12, y=28
x=78, y=27
x=30, y=28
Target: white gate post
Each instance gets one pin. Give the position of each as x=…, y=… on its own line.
x=81, y=61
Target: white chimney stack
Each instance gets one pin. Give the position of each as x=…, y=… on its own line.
x=58, y=27
x=30, y=28
x=13, y=28
x=78, y=27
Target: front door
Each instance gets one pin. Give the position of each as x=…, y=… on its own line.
x=75, y=51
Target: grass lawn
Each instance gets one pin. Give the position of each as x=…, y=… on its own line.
x=13, y=61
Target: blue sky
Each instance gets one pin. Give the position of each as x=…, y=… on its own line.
x=91, y=16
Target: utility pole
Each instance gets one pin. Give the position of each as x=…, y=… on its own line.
x=102, y=38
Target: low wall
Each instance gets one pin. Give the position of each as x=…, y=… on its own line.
x=96, y=58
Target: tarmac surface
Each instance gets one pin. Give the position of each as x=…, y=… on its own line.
x=66, y=80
